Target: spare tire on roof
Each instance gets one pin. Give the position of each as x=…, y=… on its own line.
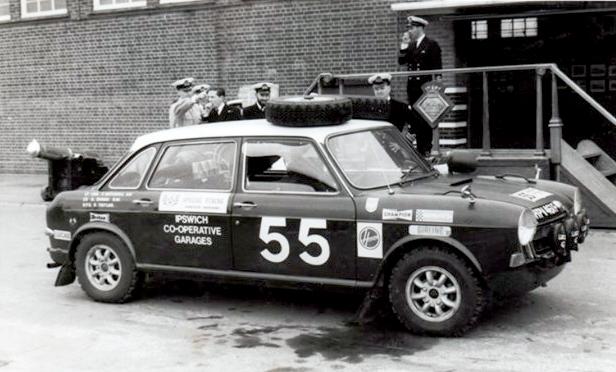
x=308, y=111
x=370, y=108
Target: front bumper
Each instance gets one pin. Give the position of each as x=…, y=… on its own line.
x=523, y=279
x=554, y=241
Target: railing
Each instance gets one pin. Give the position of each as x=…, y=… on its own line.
x=555, y=123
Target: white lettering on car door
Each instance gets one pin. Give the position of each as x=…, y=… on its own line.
x=304, y=237
x=267, y=237
x=304, y=227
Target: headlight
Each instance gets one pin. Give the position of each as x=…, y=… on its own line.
x=577, y=201
x=527, y=226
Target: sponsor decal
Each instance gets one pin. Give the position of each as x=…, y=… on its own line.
x=369, y=240
x=394, y=214
x=190, y=229
x=372, y=204
x=430, y=230
x=62, y=235
x=531, y=194
x=103, y=199
x=433, y=215
x=208, y=202
x=72, y=221
x=99, y=217
x=552, y=208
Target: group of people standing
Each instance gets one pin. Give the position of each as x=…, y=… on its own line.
x=198, y=104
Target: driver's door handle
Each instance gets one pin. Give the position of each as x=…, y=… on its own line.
x=143, y=202
x=245, y=204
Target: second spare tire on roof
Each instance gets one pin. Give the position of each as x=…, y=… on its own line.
x=309, y=111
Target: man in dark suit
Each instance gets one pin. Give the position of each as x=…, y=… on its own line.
x=217, y=108
x=257, y=111
x=418, y=53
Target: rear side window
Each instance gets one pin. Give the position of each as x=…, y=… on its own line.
x=285, y=166
x=200, y=166
x=131, y=174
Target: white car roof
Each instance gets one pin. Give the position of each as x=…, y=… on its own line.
x=252, y=128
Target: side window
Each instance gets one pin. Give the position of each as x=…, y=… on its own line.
x=130, y=176
x=287, y=166
x=201, y=166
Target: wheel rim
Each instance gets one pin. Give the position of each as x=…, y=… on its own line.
x=433, y=294
x=103, y=267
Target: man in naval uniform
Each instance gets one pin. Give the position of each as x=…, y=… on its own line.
x=398, y=112
x=186, y=110
x=257, y=111
x=419, y=53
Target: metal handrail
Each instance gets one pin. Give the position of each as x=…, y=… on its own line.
x=552, y=67
x=576, y=88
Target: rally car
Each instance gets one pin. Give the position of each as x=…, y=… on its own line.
x=310, y=195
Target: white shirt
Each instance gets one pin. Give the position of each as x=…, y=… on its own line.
x=420, y=40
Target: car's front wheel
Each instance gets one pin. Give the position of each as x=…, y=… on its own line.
x=433, y=291
x=105, y=268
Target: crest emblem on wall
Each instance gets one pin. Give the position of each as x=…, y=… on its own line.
x=433, y=104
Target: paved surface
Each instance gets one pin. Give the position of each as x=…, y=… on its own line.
x=187, y=326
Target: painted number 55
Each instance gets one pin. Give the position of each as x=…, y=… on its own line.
x=304, y=228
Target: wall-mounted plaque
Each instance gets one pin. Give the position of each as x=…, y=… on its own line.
x=578, y=70
x=597, y=85
x=597, y=70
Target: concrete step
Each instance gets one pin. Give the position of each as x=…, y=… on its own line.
x=598, y=191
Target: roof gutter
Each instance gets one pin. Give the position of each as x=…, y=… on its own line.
x=438, y=6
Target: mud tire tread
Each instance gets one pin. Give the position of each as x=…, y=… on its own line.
x=478, y=291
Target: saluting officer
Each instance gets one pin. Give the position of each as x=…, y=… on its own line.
x=257, y=111
x=419, y=53
x=185, y=110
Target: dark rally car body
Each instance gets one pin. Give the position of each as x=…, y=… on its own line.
x=352, y=237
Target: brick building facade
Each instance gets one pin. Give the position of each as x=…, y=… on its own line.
x=95, y=79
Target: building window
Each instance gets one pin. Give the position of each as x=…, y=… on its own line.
x=42, y=8
x=5, y=12
x=117, y=4
x=519, y=27
x=479, y=29
x=175, y=1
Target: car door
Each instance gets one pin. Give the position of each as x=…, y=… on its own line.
x=290, y=215
x=183, y=215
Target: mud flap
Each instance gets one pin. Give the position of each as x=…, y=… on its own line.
x=66, y=276
x=370, y=307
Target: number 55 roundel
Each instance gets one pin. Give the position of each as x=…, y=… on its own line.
x=304, y=237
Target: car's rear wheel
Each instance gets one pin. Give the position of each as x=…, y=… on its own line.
x=105, y=268
x=433, y=291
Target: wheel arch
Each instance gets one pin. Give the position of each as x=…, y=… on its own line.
x=92, y=227
x=408, y=243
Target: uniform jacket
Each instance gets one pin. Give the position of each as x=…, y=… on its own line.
x=254, y=112
x=228, y=113
x=426, y=56
x=184, y=112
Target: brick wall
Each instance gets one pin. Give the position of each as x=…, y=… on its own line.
x=96, y=80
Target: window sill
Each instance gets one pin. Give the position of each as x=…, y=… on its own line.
x=111, y=8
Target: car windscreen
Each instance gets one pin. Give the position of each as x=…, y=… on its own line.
x=376, y=158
